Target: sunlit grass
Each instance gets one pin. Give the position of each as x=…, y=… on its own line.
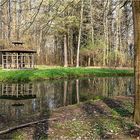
x=58, y=72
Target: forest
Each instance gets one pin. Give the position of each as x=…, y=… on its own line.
x=71, y=32
x=69, y=69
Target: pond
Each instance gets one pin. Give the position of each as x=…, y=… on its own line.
x=25, y=102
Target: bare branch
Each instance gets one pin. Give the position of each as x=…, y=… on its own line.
x=50, y=21
x=3, y=3
x=34, y=17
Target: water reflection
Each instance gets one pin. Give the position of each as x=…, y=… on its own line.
x=16, y=91
x=22, y=102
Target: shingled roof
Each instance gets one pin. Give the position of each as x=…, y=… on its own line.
x=16, y=49
x=17, y=46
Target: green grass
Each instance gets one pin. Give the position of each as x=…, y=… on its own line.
x=54, y=73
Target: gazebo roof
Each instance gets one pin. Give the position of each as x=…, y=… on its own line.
x=17, y=46
x=17, y=49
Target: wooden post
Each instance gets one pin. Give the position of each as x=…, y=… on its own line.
x=22, y=60
x=7, y=60
x=2, y=61
x=17, y=60
x=28, y=61
x=32, y=61
x=12, y=65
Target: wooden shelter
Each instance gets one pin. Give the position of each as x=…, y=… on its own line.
x=17, y=57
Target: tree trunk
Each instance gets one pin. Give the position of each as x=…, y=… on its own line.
x=14, y=20
x=19, y=20
x=136, y=16
x=9, y=20
x=80, y=31
x=92, y=29
x=106, y=40
x=65, y=52
x=118, y=36
x=25, y=125
x=89, y=60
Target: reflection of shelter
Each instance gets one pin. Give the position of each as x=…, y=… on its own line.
x=16, y=91
x=17, y=100
x=17, y=57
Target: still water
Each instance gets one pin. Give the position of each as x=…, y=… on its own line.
x=25, y=102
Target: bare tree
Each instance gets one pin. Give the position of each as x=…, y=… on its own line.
x=80, y=31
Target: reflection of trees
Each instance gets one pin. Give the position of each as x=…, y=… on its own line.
x=69, y=93
x=50, y=93
x=107, y=86
x=65, y=91
x=53, y=94
x=77, y=90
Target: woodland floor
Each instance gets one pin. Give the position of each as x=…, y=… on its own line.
x=103, y=118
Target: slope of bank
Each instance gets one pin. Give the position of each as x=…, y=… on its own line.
x=54, y=73
x=101, y=118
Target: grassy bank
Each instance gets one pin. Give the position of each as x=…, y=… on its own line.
x=102, y=118
x=52, y=73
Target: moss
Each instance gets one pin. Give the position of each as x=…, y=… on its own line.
x=19, y=136
x=73, y=128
